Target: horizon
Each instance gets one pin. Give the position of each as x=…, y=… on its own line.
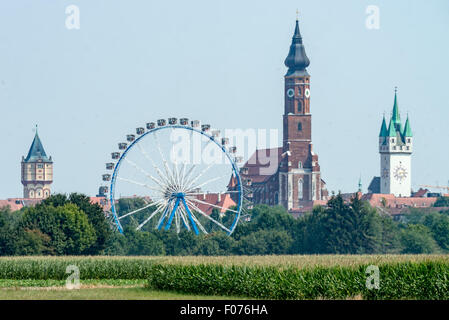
x=86, y=89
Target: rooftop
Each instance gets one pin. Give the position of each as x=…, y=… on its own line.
x=37, y=151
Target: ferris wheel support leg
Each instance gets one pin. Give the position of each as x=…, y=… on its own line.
x=190, y=217
x=167, y=226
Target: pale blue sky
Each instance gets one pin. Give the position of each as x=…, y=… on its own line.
x=221, y=62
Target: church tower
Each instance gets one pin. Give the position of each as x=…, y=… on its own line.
x=395, y=148
x=300, y=178
x=37, y=171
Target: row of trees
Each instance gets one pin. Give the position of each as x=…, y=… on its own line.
x=71, y=225
x=59, y=225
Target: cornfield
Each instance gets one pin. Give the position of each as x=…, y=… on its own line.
x=262, y=277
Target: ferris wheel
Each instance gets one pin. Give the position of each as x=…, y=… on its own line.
x=175, y=176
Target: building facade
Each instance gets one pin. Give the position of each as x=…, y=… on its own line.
x=295, y=182
x=37, y=171
x=395, y=148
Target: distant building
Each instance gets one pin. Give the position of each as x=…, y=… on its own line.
x=210, y=201
x=37, y=171
x=15, y=204
x=289, y=175
x=395, y=148
x=397, y=206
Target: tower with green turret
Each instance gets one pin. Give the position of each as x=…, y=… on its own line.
x=395, y=148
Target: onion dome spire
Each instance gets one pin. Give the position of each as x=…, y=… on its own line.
x=407, y=129
x=383, y=128
x=297, y=60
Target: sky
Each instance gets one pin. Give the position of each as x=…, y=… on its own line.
x=221, y=62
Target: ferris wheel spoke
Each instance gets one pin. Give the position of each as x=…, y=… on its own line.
x=140, y=184
x=208, y=181
x=143, y=208
x=157, y=181
x=149, y=218
x=189, y=172
x=199, y=176
x=208, y=217
x=166, y=167
x=159, y=172
x=176, y=174
x=177, y=221
x=183, y=173
x=167, y=209
x=203, y=193
x=183, y=215
x=212, y=205
x=198, y=223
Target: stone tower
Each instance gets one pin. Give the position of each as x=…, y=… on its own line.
x=299, y=174
x=395, y=148
x=37, y=171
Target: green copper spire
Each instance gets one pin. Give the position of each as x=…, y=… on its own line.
x=360, y=183
x=396, y=117
x=383, y=129
x=407, y=129
x=391, y=129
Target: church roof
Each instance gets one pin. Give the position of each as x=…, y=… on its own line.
x=37, y=151
x=297, y=60
x=374, y=186
x=263, y=164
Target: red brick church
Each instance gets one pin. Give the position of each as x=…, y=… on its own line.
x=295, y=182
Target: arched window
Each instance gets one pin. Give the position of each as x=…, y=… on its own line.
x=299, y=126
x=276, y=198
x=299, y=165
x=299, y=106
x=300, y=187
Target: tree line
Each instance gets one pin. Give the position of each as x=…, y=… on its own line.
x=72, y=225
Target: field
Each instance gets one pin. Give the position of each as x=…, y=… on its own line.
x=234, y=277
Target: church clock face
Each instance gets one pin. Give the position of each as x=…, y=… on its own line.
x=400, y=173
x=307, y=93
x=290, y=93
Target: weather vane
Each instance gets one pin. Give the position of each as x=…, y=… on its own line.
x=297, y=14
